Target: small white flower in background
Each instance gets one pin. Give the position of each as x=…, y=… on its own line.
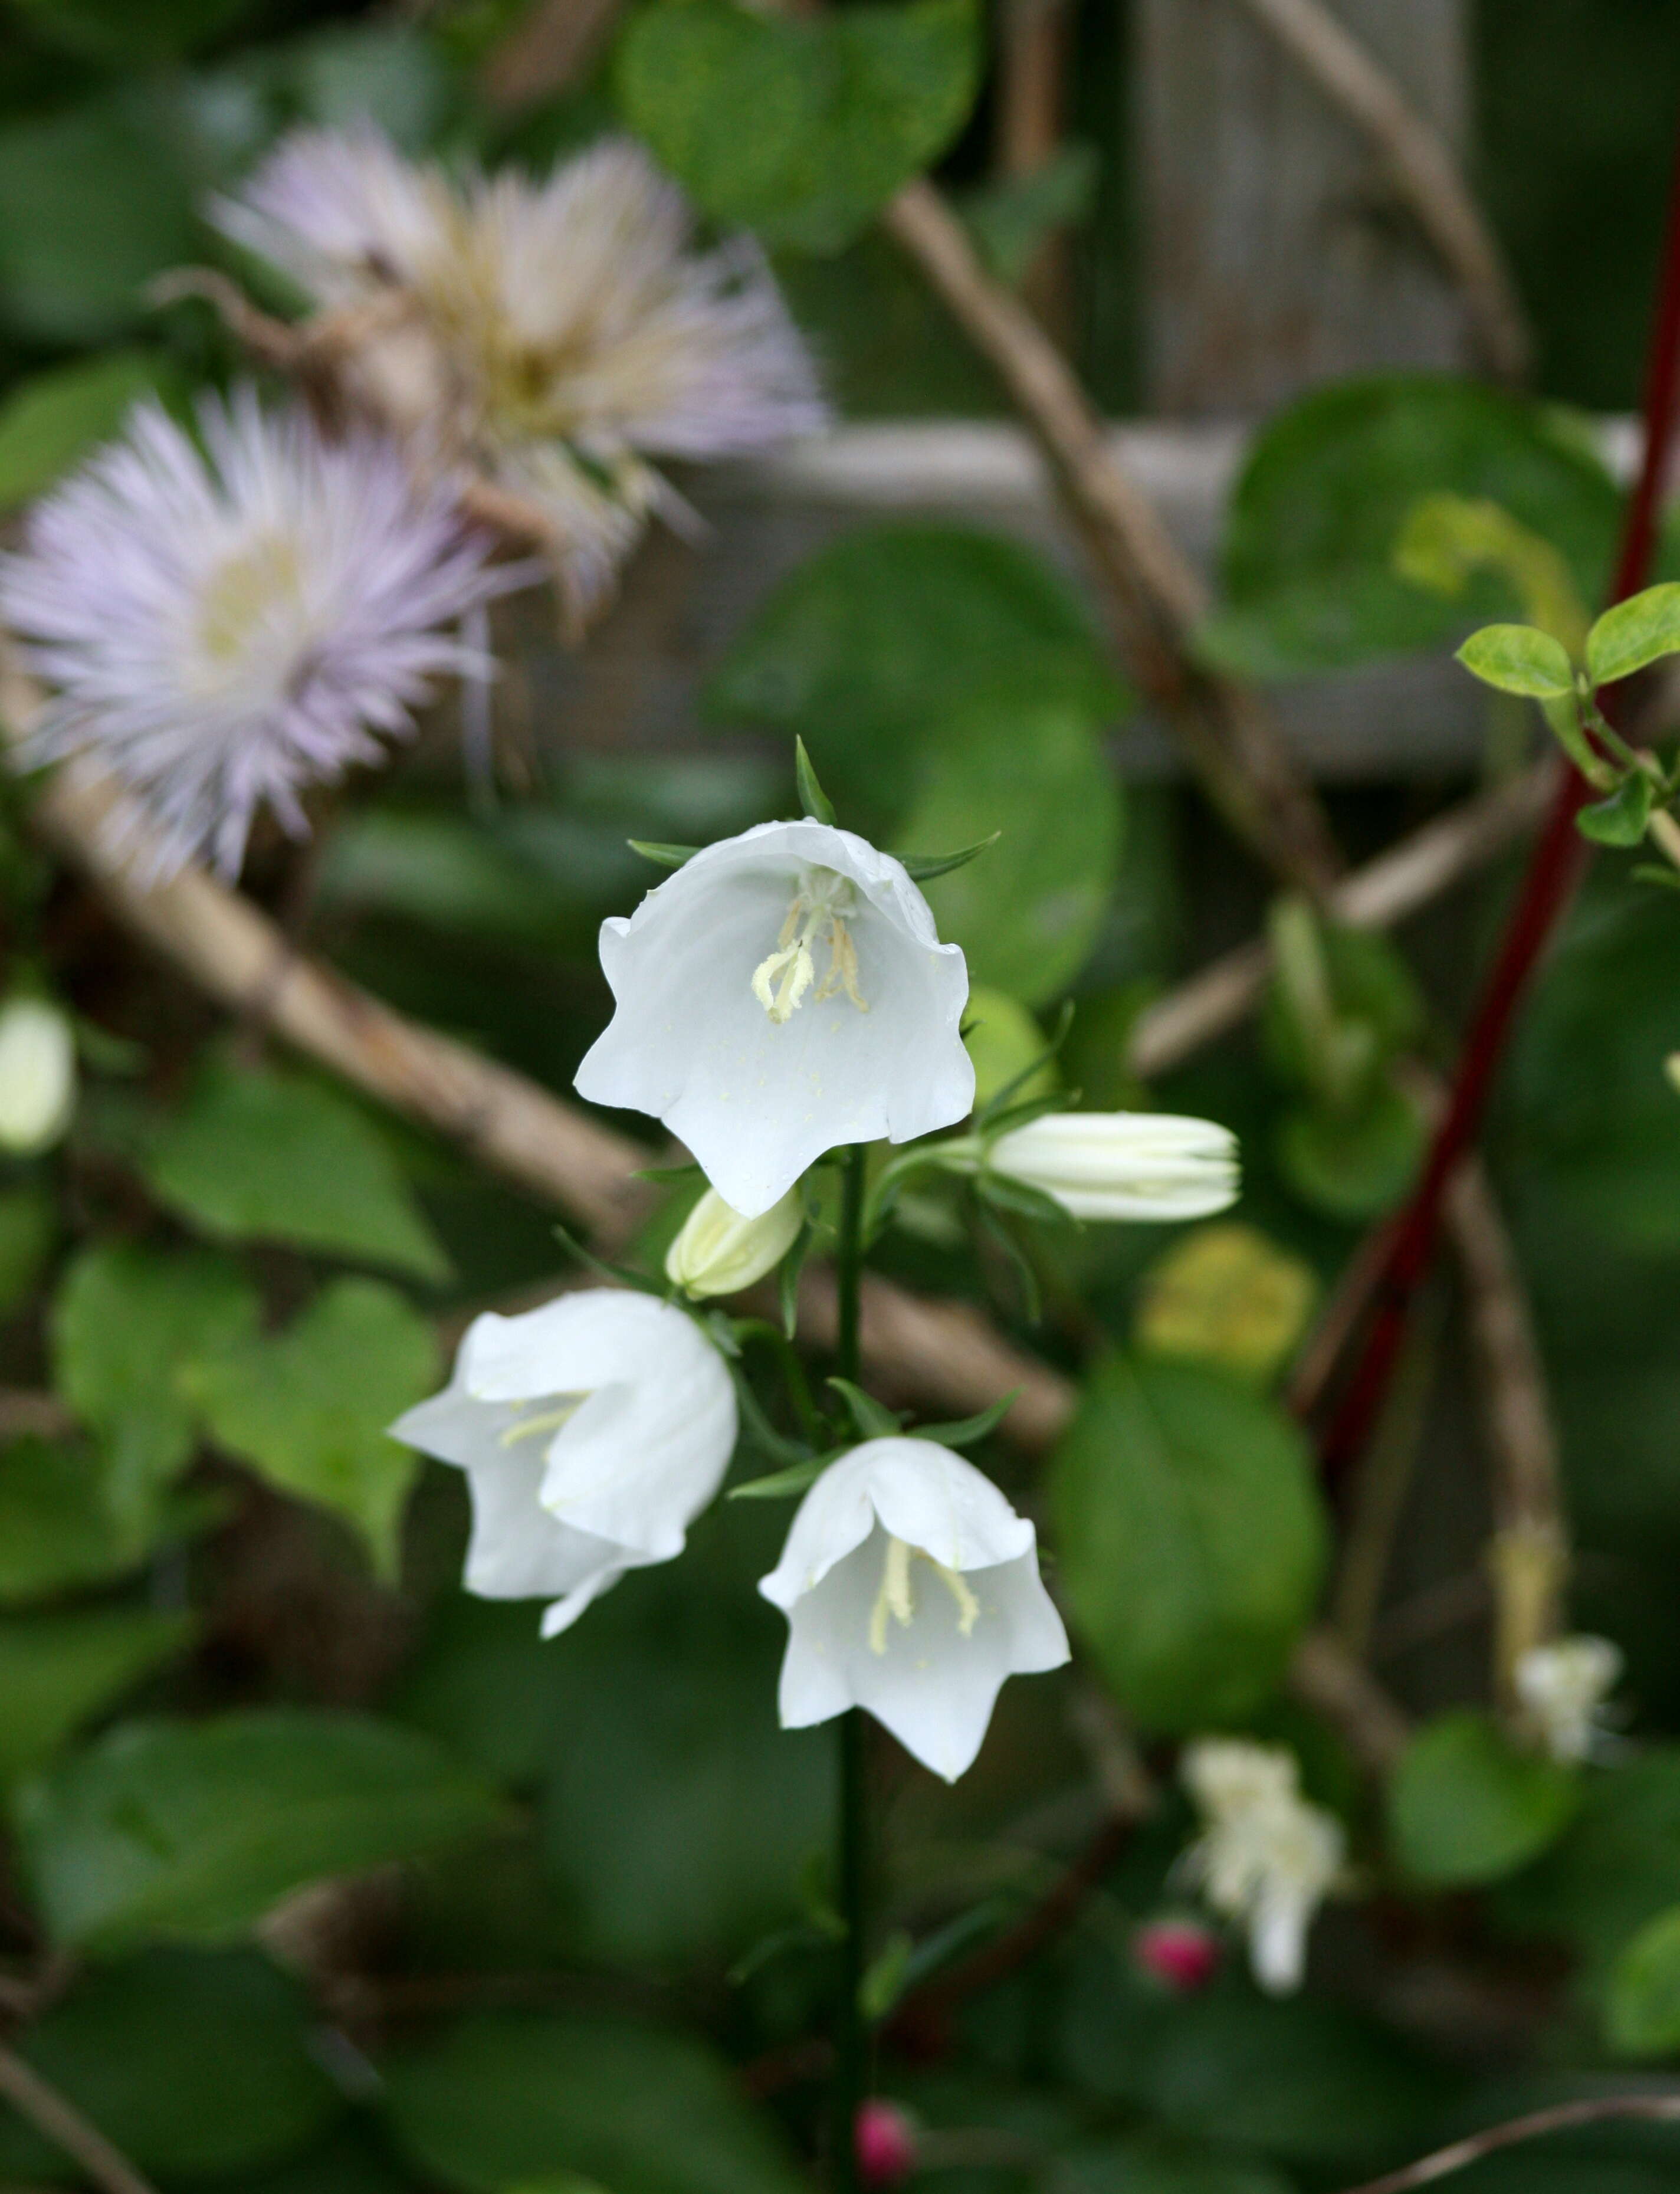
x=591, y=1431
x=783, y=993
x=1563, y=1688
x=1123, y=1165
x=37, y=1075
x=911, y=1588
x=228, y=626
x=561, y=333
x=718, y=1252
x=1266, y=1858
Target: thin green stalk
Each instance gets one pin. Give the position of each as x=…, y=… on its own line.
x=851, y=1854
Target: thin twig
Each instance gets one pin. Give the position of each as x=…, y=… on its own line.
x=1231, y=740
x=58, y=2118
x=1422, y=167
x=1559, y=2118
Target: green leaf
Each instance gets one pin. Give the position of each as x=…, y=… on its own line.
x=782, y=1484
x=1641, y=2009
x=1329, y=486
x=504, y=2101
x=259, y=1155
x=59, y=1671
x=49, y=421
x=1365, y=978
x=192, y=2066
x=1464, y=1808
x=813, y=801
x=1012, y=218
x=29, y=1225
x=1353, y=1165
x=126, y=1321
x=1518, y=658
x=968, y=1432
x=127, y=30
x=1635, y=633
x=667, y=856
x=1447, y=539
x=844, y=109
x=922, y=868
x=60, y=1525
x=190, y=1831
x=893, y=629
x=1028, y=915
x=1192, y=1539
x=308, y=1411
x=1616, y=1867
x=1622, y=819
x=873, y=1419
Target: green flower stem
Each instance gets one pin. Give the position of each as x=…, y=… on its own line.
x=852, y=1854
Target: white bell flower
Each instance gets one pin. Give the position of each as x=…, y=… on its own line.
x=1267, y=1858
x=37, y=1075
x=1563, y=1687
x=718, y=1252
x=1123, y=1165
x=783, y=993
x=911, y=1588
x=591, y=1431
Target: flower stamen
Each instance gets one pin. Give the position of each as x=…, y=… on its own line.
x=542, y=1421
x=783, y=977
x=896, y=1600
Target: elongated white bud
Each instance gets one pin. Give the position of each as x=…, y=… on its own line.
x=719, y=1253
x=1124, y=1165
x=37, y=1075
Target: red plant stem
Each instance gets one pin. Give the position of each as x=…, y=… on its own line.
x=1554, y=869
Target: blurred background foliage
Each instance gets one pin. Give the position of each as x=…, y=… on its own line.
x=324, y=1879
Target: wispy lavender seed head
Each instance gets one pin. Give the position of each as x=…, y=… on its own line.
x=224, y=625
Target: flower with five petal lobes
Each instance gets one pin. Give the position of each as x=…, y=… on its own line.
x=37, y=1075
x=783, y=993
x=911, y=1588
x=717, y=1252
x=1563, y=1687
x=1266, y=1858
x=1123, y=1165
x=592, y=1432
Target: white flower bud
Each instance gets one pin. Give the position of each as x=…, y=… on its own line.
x=1123, y=1165
x=37, y=1075
x=1563, y=1687
x=719, y=1253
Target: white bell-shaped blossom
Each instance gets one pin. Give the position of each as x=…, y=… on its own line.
x=911, y=1588
x=783, y=993
x=591, y=1431
x=1267, y=1859
x=1123, y=1165
x=37, y=1075
x=1563, y=1688
x=717, y=1252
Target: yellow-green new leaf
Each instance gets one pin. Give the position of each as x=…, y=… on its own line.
x=1516, y=658
x=1635, y=633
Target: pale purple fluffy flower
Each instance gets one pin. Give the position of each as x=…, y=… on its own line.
x=226, y=626
x=576, y=332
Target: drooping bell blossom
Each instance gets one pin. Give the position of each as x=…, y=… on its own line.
x=1123, y=1165
x=783, y=993
x=1183, y=1954
x=561, y=334
x=1266, y=1858
x=1563, y=1688
x=717, y=1252
x=911, y=1588
x=37, y=1075
x=592, y=1432
x=884, y=2138
x=226, y=625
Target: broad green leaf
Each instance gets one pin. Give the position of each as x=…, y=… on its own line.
x=1634, y=633
x=1519, y=658
x=1353, y=1165
x=193, y=2066
x=62, y=1525
x=845, y=109
x=308, y=1410
x=1615, y=1868
x=126, y=1320
x=1641, y=2008
x=29, y=1225
x=1226, y=1295
x=59, y=1671
x=260, y=1155
x=895, y=629
x=505, y=2101
x=1329, y=486
x=1622, y=818
x=190, y=1831
x=1026, y=912
x=1465, y=1808
x=1192, y=1539
x=49, y=421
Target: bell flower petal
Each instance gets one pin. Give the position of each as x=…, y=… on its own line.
x=1124, y=1165
x=784, y=993
x=912, y=1589
x=593, y=1431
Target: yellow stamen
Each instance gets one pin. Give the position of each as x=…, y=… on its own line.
x=783, y=977
x=543, y=1420
x=896, y=1600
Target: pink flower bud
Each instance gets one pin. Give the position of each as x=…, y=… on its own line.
x=1182, y=1953
x=886, y=2141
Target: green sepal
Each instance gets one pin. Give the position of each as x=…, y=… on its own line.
x=813, y=800
x=787, y=1279
x=667, y=857
x=999, y=1104
x=873, y=1419
x=783, y=1485
x=624, y=1276
x=1006, y=1193
x=921, y=867
x=965, y=1432
x=1622, y=819
x=884, y=1981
